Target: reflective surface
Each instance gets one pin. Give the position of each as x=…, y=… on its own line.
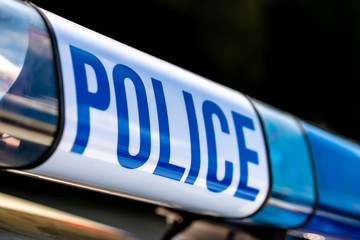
x=27, y=220
x=130, y=216
x=337, y=163
x=28, y=90
x=293, y=187
x=13, y=44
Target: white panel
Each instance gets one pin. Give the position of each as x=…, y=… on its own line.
x=98, y=165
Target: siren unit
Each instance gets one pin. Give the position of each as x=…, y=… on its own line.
x=79, y=108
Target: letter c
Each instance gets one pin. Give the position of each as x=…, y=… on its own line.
x=213, y=183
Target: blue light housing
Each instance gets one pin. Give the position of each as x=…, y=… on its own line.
x=337, y=164
x=293, y=192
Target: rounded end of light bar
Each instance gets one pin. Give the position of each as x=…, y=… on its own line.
x=29, y=107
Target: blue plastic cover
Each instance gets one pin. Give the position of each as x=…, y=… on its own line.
x=293, y=193
x=337, y=164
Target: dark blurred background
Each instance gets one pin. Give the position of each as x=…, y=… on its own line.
x=301, y=56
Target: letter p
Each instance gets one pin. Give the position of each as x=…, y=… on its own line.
x=85, y=99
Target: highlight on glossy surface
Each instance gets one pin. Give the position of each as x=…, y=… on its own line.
x=28, y=88
x=337, y=164
x=293, y=193
x=14, y=43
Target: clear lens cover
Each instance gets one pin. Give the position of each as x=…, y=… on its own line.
x=29, y=105
x=13, y=45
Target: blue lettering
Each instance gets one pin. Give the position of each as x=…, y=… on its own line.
x=85, y=99
x=120, y=73
x=246, y=155
x=101, y=100
x=194, y=139
x=164, y=167
x=213, y=184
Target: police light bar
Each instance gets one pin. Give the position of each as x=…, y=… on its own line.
x=79, y=108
